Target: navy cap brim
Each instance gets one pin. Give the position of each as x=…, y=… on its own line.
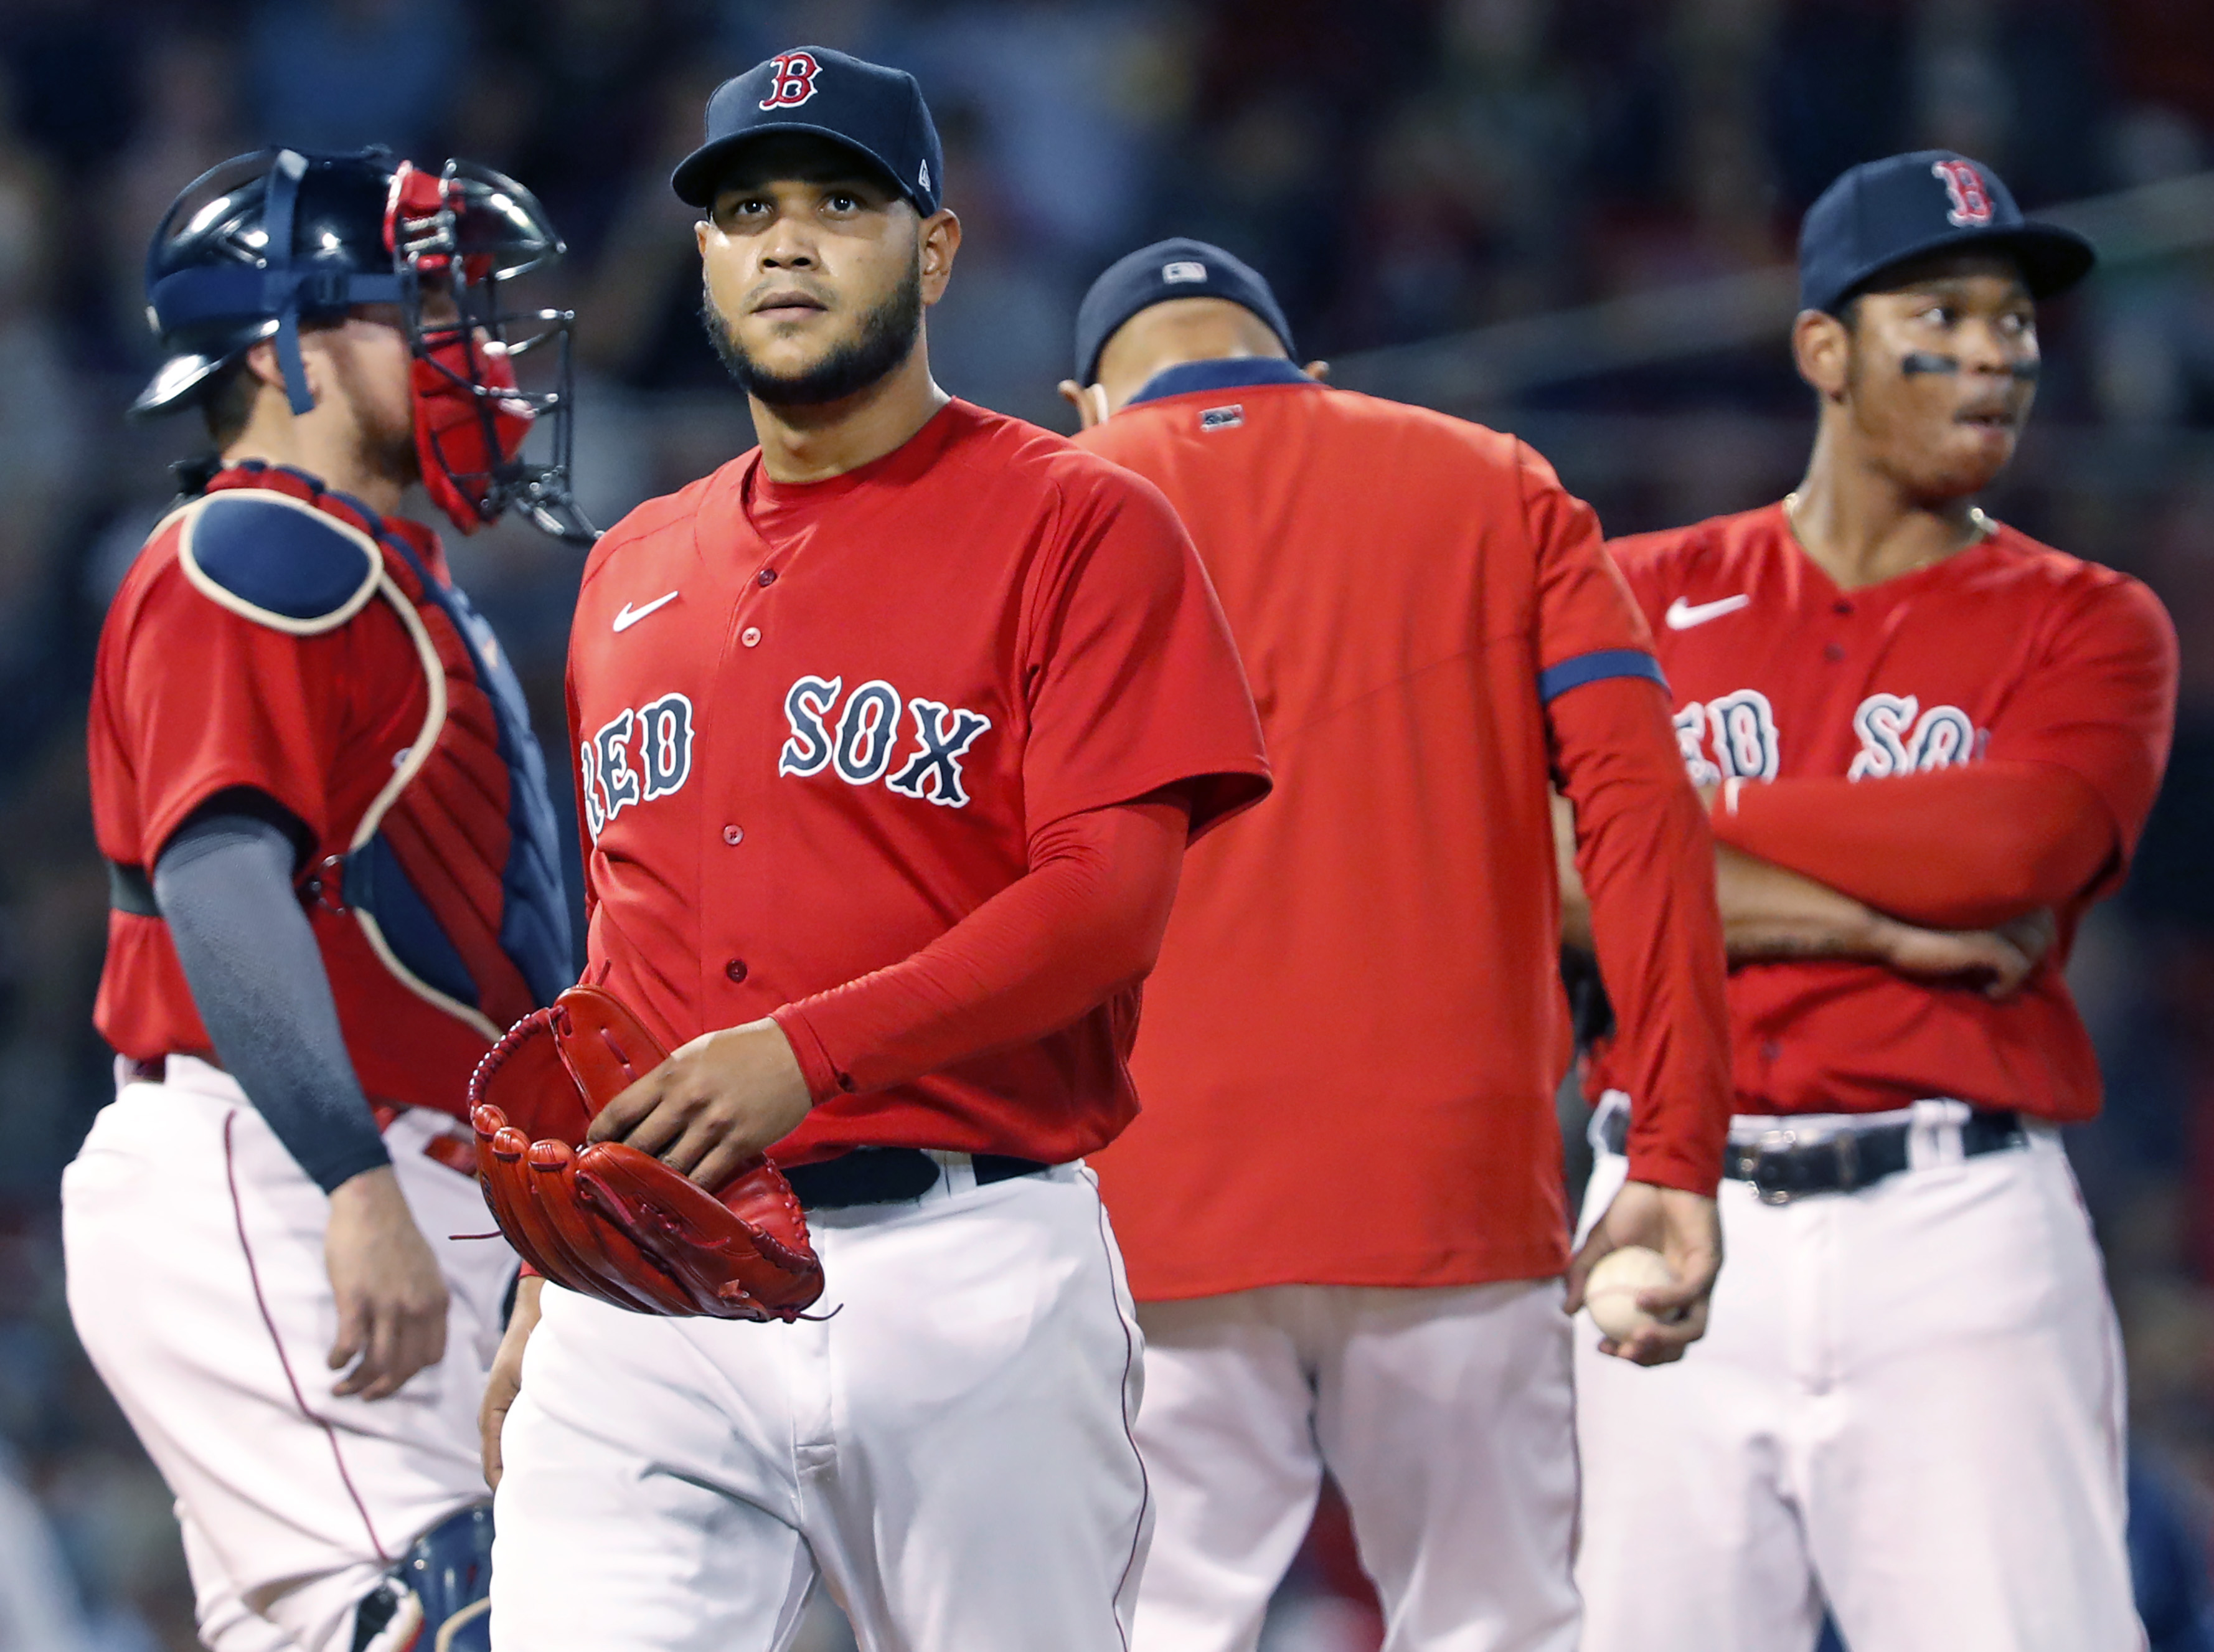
x=699, y=175
x=2052, y=259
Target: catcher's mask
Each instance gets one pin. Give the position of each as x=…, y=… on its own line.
x=263, y=242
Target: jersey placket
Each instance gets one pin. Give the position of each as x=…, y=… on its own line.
x=735, y=808
x=1851, y=638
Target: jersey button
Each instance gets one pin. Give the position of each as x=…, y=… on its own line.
x=750, y=636
x=736, y=968
x=734, y=836
x=1832, y=651
x=766, y=577
x=1841, y=607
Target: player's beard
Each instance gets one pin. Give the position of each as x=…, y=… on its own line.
x=391, y=455
x=887, y=338
x=384, y=435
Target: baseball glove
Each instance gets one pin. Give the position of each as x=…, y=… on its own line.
x=607, y=1220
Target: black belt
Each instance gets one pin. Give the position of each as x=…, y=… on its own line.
x=884, y=1175
x=1781, y=1168
x=129, y=889
x=865, y=1176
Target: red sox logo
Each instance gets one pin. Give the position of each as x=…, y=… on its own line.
x=857, y=744
x=792, y=80
x=613, y=781
x=1736, y=737
x=1972, y=204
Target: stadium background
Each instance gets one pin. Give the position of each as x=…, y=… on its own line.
x=1562, y=217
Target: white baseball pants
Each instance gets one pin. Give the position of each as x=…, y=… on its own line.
x=194, y=1247
x=1909, y=1402
x=949, y=1449
x=1443, y=1413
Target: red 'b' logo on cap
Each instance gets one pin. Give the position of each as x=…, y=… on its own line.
x=792, y=80
x=1971, y=206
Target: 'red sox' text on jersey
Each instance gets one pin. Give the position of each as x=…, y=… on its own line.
x=2006, y=649
x=817, y=724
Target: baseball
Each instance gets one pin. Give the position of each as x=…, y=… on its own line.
x=1611, y=1293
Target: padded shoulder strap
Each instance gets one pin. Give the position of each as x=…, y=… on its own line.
x=277, y=561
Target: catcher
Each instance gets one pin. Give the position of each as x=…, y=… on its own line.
x=335, y=879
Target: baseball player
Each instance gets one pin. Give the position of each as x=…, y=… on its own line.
x=334, y=878
x=891, y=734
x=1910, y=1402
x=1356, y=996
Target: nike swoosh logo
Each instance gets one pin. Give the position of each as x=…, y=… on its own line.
x=630, y=616
x=1683, y=615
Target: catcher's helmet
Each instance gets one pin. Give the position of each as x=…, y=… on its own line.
x=256, y=245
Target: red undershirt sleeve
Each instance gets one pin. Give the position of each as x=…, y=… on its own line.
x=1083, y=923
x=1648, y=862
x=1956, y=848
x=1643, y=847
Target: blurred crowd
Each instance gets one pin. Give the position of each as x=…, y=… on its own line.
x=1399, y=168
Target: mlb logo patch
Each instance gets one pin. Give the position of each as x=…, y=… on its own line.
x=1222, y=418
x=1184, y=269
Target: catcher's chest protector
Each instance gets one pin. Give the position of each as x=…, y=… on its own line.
x=465, y=815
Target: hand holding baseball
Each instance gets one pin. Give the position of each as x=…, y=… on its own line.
x=1683, y=1231
x=1614, y=1292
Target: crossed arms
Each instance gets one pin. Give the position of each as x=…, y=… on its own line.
x=1886, y=868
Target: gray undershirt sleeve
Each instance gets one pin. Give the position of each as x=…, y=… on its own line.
x=224, y=885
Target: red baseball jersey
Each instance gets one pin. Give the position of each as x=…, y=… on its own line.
x=2008, y=650
x=818, y=726
x=1358, y=1007
x=280, y=638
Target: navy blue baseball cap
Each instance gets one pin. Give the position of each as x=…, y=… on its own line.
x=877, y=111
x=1180, y=268
x=1881, y=214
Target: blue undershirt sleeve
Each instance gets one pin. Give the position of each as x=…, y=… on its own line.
x=224, y=885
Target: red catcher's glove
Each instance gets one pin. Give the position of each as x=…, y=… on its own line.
x=607, y=1220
